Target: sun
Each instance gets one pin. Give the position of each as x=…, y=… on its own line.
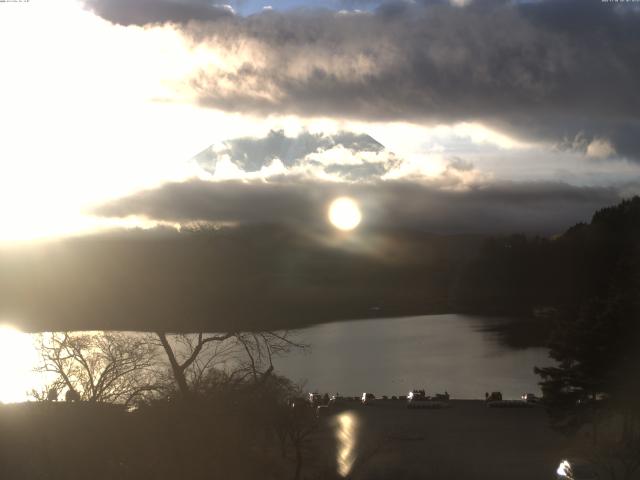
x=344, y=214
x=18, y=357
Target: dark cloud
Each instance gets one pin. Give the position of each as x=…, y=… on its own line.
x=544, y=70
x=232, y=202
x=536, y=208
x=141, y=12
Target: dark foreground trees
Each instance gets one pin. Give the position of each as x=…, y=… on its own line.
x=121, y=367
x=200, y=405
x=221, y=434
x=596, y=344
x=595, y=387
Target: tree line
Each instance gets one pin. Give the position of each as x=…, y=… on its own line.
x=128, y=368
x=595, y=340
x=218, y=395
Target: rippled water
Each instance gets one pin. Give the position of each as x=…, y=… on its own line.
x=435, y=352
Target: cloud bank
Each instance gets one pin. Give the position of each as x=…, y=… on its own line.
x=496, y=208
x=143, y=12
x=563, y=72
x=291, y=180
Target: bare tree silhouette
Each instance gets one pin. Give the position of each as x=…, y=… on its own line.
x=192, y=357
x=101, y=367
x=192, y=347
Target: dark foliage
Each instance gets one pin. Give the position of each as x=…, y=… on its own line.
x=229, y=432
x=596, y=340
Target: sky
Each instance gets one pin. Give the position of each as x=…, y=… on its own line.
x=120, y=114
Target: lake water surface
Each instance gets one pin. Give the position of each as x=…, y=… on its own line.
x=458, y=353
x=391, y=356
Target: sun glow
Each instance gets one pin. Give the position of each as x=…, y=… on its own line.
x=344, y=214
x=87, y=133
x=18, y=357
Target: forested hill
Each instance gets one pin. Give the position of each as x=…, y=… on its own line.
x=523, y=275
x=249, y=277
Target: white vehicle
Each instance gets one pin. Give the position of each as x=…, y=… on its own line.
x=419, y=399
x=576, y=469
x=368, y=398
x=416, y=395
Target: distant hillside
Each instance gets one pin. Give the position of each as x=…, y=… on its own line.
x=269, y=276
x=516, y=274
x=258, y=277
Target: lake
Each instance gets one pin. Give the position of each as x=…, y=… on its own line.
x=391, y=356
x=462, y=354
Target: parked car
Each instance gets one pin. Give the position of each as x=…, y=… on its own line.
x=416, y=395
x=494, y=397
x=338, y=402
x=368, y=398
x=576, y=469
x=419, y=399
x=530, y=397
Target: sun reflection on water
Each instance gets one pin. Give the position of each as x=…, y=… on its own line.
x=346, y=430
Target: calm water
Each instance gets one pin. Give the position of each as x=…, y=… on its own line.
x=384, y=356
x=393, y=355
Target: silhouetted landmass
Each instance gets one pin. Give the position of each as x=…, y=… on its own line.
x=595, y=341
x=258, y=277
x=583, y=285
x=229, y=434
x=517, y=274
x=270, y=276
x=553, y=278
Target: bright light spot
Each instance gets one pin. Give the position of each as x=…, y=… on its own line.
x=346, y=436
x=344, y=213
x=18, y=357
x=67, y=148
x=563, y=469
x=600, y=148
